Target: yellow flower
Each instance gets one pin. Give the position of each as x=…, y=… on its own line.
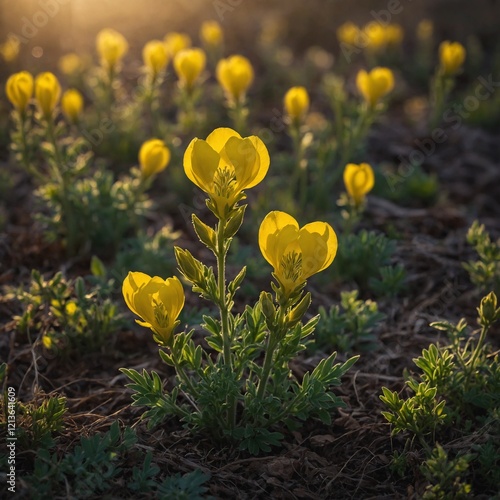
x=72, y=104
x=189, y=64
x=425, y=30
x=156, y=301
x=224, y=165
x=377, y=36
x=71, y=64
x=296, y=103
x=375, y=84
x=19, y=89
x=175, y=42
x=451, y=57
x=155, y=56
x=348, y=33
x=10, y=48
x=235, y=75
x=47, y=92
x=296, y=253
x=211, y=33
x=153, y=157
x=359, y=180
x=111, y=47
x=394, y=34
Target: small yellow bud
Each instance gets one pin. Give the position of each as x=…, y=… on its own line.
x=394, y=34
x=451, y=57
x=359, y=180
x=72, y=104
x=10, y=48
x=425, y=30
x=375, y=84
x=296, y=103
x=211, y=33
x=71, y=64
x=189, y=64
x=47, y=93
x=153, y=157
x=155, y=56
x=111, y=46
x=175, y=42
x=348, y=33
x=235, y=75
x=19, y=89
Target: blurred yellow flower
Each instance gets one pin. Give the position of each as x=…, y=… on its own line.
x=375, y=84
x=72, y=104
x=10, y=48
x=71, y=64
x=235, y=75
x=156, y=301
x=451, y=57
x=359, y=180
x=425, y=30
x=19, y=89
x=377, y=36
x=224, y=165
x=153, y=157
x=155, y=57
x=211, y=33
x=348, y=33
x=296, y=103
x=47, y=93
x=175, y=42
x=394, y=34
x=296, y=253
x=111, y=46
x=189, y=64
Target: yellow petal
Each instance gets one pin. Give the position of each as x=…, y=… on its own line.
x=241, y=154
x=319, y=244
x=218, y=138
x=200, y=164
x=273, y=222
x=132, y=282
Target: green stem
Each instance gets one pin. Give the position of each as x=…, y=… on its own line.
x=475, y=354
x=272, y=342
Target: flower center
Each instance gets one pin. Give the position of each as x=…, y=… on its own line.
x=225, y=182
x=291, y=264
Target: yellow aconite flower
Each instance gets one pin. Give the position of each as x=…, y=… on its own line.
x=71, y=64
x=19, y=89
x=153, y=157
x=451, y=57
x=189, y=64
x=211, y=33
x=156, y=301
x=47, y=92
x=375, y=84
x=348, y=33
x=155, y=56
x=72, y=104
x=225, y=164
x=111, y=46
x=235, y=75
x=359, y=180
x=10, y=48
x=296, y=253
x=175, y=42
x=296, y=103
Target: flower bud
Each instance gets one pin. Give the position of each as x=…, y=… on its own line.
x=211, y=33
x=72, y=104
x=235, y=75
x=175, y=42
x=296, y=103
x=19, y=89
x=111, y=46
x=155, y=56
x=153, y=157
x=358, y=180
x=451, y=57
x=47, y=93
x=375, y=84
x=189, y=64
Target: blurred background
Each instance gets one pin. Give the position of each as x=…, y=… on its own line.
x=49, y=28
